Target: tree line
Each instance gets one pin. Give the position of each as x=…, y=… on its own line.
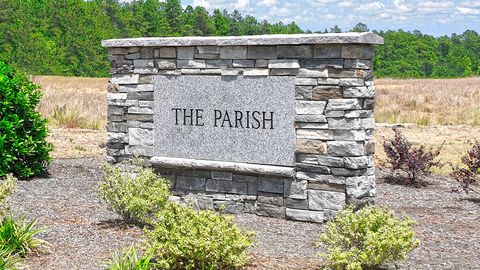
x=63, y=37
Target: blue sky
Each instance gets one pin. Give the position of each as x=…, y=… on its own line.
x=431, y=17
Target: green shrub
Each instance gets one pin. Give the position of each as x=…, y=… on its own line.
x=367, y=239
x=19, y=236
x=184, y=238
x=24, y=150
x=129, y=259
x=8, y=261
x=7, y=186
x=137, y=195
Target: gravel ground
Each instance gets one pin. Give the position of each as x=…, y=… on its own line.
x=82, y=233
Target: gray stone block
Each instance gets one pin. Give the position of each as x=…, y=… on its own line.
x=344, y=123
x=327, y=51
x=321, y=160
x=296, y=203
x=322, y=63
x=343, y=104
x=132, y=56
x=270, y=210
x=141, y=63
x=283, y=72
x=114, y=137
x=358, y=92
x=310, y=107
x=296, y=189
x=321, y=200
x=139, y=150
x=243, y=63
x=313, y=134
x=261, y=63
x=185, y=52
x=304, y=215
x=222, y=175
x=312, y=73
x=345, y=148
x=229, y=207
x=304, y=167
x=358, y=162
x=347, y=172
x=284, y=64
x=167, y=52
x=166, y=64
x=271, y=185
x=328, y=81
x=194, y=63
x=358, y=63
x=305, y=81
x=147, y=53
x=262, y=52
x=219, y=63
x=255, y=72
x=140, y=136
x=349, y=135
x=226, y=186
x=351, y=82
x=321, y=178
x=124, y=79
x=357, y=51
x=310, y=118
x=296, y=51
x=190, y=183
x=359, y=114
x=113, y=51
x=233, y=52
x=269, y=198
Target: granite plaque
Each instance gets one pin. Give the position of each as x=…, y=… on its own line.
x=229, y=118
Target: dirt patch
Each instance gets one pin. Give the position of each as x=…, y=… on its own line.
x=83, y=233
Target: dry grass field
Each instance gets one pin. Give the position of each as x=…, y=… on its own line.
x=73, y=102
x=429, y=101
x=431, y=111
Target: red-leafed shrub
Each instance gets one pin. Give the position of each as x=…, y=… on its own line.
x=414, y=161
x=469, y=176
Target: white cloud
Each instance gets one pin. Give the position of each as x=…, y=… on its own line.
x=330, y=16
x=346, y=4
x=468, y=11
x=202, y=3
x=242, y=4
x=371, y=7
x=433, y=7
x=471, y=3
x=267, y=3
x=401, y=6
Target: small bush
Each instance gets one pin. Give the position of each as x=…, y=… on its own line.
x=137, y=195
x=8, y=261
x=129, y=259
x=415, y=161
x=18, y=237
x=367, y=239
x=24, y=150
x=183, y=238
x=469, y=176
x=7, y=186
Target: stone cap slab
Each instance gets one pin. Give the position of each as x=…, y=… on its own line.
x=331, y=38
x=245, y=168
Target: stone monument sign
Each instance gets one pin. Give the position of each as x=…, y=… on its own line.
x=277, y=125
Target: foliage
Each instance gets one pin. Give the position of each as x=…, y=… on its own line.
x=7, y=187
x=183, y=238
x=24, y=150
x=135, y=194
x=367, y=239
x=19, y=236
x=130, y=260
x=469, y=176
x=8, y=261
x=415, y=161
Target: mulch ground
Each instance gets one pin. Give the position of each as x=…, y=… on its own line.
x=83, y=234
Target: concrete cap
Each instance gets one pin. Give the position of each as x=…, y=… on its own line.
x=331, y=38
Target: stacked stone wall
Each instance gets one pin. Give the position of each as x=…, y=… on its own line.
x=334, y=124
